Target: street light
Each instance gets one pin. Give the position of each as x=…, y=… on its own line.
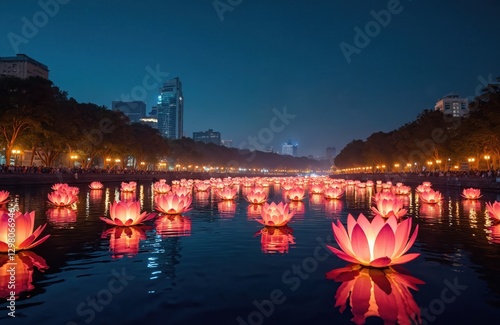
x=16, y=155
x=73, y=158
x=487, y=158
x=471, y=160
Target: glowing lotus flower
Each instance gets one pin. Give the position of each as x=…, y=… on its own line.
x=376, y=244
x=96, y=186
x=25, y=236
x=317, y=188
x=424, y=187
x=124, y=241
x=161, y=187
x=430, y=196
x=62, y=198
x=401, y=190
x=382, y=293
x=276, y=239
x=202, y=186
x=296, y=193
x=369, y=183
x=389, y=207
x=173, y=226
x=65, y=188
x=275, y=215
x=4, y=197
x=128, y=187
x=126, y=213
x=171, y=203
x=471, y=193
x=58, y=186
x=182, y=190
x=24, y=264
x=256, y=195
x=226, y=193
x=493, y=210
x=333, y=193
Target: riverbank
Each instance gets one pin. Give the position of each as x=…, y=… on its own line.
x=492, y=183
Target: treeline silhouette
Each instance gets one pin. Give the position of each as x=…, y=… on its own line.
x=36, y=115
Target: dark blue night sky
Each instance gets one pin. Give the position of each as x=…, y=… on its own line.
x=263, y=55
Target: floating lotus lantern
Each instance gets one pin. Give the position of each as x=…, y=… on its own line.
x=276, y=239
x=333, y=192
x=182, y=190
x=226, y=193
x=376, y=244
x=124, y=241
x=161, y=187
x=173, y=226
x=493, y=210
x=424, y=187
x=382, y=293
x=128, y=187
x=401, y=190
x=471, y=193
x=317, y=188
x=296, y=193
x=96, y=186
x=387, y=207
x=126, y=213
x=25, y=237
x=171, y=203
x=256, y=195
x=369, y=183
x=62, y=198
x=275, y=215
x=23, y=264
x=202, y=186
x=4, y=197
x=430, y=196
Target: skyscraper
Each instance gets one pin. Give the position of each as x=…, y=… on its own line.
x=209, y=136
x=289, y=149
x=134, y=110
x=171, y=109
x=453, y=105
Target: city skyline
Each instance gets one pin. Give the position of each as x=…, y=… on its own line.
x=262, y=73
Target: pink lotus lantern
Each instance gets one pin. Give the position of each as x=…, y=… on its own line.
x=161, y=187
x=317, y=188
x=333, y=193
x=382, y=293
x=401, y=190
x=173, y=226
x=62, y=198
x=389, y=207
x=275, y=215
x=182, y=190
x=376, y=244
x=256, y=195
x=61, y=217
x=296, y=193
x=226, y=193
x=24, y=264
x=471, y=193
x=126, y=213
x=202, y=186
x=171, y=203
x=430, y=196
x=25, y=236
x=96, y=186
x=124, y=241
x=128, y=187
x=4, y=197
x=493, y=210
x=424, y=187
x=58, y=186
x=276, y=239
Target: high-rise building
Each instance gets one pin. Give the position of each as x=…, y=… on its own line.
x=134, y=110
x=453, y=105
x=22, y=66
x=289, y=148
x=170, y=109
x=209, y=136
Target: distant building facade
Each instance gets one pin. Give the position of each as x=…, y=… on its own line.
x=227, y=143
x=170, y=110
x=289, y=148
x=209, y=136
x=330, y=153
x=135, y=110
x=22, y=66
x=453, y=105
